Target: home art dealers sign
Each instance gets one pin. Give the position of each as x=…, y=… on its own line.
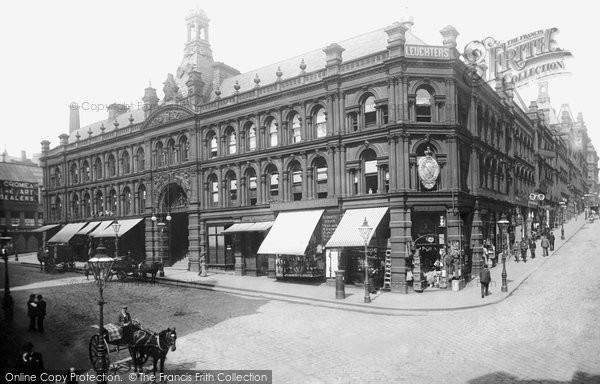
x=521, y=60
x=18, y=191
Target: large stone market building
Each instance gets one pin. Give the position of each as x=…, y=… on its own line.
x=271, y=172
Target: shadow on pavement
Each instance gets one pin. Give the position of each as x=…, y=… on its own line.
x=504, y=377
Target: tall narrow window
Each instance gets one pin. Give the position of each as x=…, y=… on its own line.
x=126, y=163
x=141, y=161
x=321, y=123
x=251, y=133
x=321, y=178
x=296, y=129
x=296, y=172
x=370, y=171
x=214, y=189
x=231, y=142
x=214, y=148
x=273, y=131
x=423, y=105
x=370, y=112
x=233, y=190
x=252, y=183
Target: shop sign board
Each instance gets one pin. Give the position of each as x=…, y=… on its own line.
x=18, y=191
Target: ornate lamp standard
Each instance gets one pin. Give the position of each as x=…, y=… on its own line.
x=116, y=226
x=503, y=224
x=101, y=265
x=365, y=232
x=161, y=226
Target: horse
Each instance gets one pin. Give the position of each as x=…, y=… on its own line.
x=149, y=267
x=155, y=345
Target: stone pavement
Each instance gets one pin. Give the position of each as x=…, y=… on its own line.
x=430, y=300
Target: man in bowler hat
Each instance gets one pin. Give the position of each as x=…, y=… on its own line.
x=484, y=280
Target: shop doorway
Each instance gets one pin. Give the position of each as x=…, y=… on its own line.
x=178, y=237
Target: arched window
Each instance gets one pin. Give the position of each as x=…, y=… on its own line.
x=141, y=161
x=160, y=155
x=58, y=209
x=231, y=141
x=272, y=132
x=141, y=198
x=74, y=207
x=171, y=154
x=296, y=180
x=85, y=171
x=126, y=160
x=370, y=112
x=320, y=178
x=250, y=137
x=296, y=129
x=321, y=123
x=213, y=185
x=112, y=166
x=273, y=181
x=74, y=174
x=112, y=202
x=57, y=177
x=423, y=104
x=369, y=166
x=99, y=203
x=87, y=205
x=232, y=189
x=184, y=148
x=98, y=168
x=213, y=145
x=127, y=201
x=252, y=186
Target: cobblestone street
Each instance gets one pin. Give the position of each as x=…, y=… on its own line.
x=545, y=332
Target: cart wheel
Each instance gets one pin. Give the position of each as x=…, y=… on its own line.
x=94, y=349
x=121, y=275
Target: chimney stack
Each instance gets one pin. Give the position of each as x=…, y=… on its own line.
x=73, y=117
x=150, y=100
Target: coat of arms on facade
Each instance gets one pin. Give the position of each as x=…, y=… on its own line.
x=428, y=169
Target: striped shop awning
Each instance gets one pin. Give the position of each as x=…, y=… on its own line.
x=347, y=234
x=88, y=228
x=66, y=233
x=45, y=228
x=249, y=227
x=126, y=225
x=103, y=225
x=291, y=233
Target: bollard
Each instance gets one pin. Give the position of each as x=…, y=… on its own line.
x=340, y=292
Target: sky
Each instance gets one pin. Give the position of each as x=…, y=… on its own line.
x=99, y=52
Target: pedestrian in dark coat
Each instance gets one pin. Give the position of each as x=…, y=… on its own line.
x=545, y=243
x=41, y=312
x=532, y=247
x=32, y=311
x=524, y=246
x=551, y=238
x=484, y=280
x=30, y=362
x=8, y=304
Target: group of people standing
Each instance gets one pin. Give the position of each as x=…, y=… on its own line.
x=36, y=310
x=546, y=242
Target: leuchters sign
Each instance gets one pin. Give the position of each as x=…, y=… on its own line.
x=524, y=59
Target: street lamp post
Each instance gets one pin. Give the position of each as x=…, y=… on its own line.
x=503, y=224
x=116, y=226
x=365, y=232
x=161, y=226
x=101, y=265
x=5, y=257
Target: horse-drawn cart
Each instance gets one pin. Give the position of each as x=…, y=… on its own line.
x=113, y=344
x=124, y=267
x=141, y=344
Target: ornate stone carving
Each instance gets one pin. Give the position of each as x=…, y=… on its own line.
x=428, y=169
x=167, y=116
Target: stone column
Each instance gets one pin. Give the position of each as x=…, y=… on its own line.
x=401, y=241
x=477, y=242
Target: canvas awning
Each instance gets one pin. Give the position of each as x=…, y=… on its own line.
x=291, y=233
x=249, y=227
x=45, y=228
x=88, y=228
x=126, y=225
x=66, y=233
x=347, y=234
x=99, y=229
